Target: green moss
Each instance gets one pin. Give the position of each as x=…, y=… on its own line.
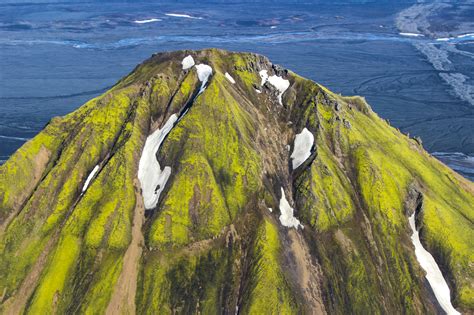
x=217, y=170
x=101, y=128
x=270, y=294
x=188, y=281
x=194, y=206
x=243, y=71
x=101, y=289
x=386, y=163
x=369, y=166
x=23, y=171
x=185, y=91
x=382, y=191
x=351, y=199
x=57, y=274
x=331, y=203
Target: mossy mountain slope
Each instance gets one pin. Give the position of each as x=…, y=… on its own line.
x=215, y=242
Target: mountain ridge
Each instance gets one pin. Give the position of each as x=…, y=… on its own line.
x=211, y=243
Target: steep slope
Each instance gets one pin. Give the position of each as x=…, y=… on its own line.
x=174, y=192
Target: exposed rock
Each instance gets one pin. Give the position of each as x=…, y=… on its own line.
x=347, y=124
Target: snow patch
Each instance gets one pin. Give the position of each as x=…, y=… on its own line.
x=146, y=21
x=264, y=76
x=304, y=142
x=270, y=209
x=230, y=78
x=433, y=273
x=466, y=35
x=187, y=62
x=183, y=16
x=286, y=217
x=281, y=85
x=278, y=82
x=412, y=34
x=90, y=177
x=258, y=91
x=152, y=178
x=204, y=72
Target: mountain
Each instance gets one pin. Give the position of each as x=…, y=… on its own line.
x=217, y=182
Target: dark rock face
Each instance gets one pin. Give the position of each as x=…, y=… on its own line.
x=235, y=229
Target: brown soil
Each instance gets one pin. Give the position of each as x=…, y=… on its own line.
x=306, y=273
x=123, y=297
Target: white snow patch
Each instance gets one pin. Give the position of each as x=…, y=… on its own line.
x=304, y=141
x=466, y=35
x=433, y=273
x=286, y=217
x=258, y=91
x=152, y=178
x=264, y=76
x=278, y=82
x=270, y=209
x=230, y=78
x=90, y=177
x=146, y=21
x=281, y=84
x=204, y=72
x=187, y=62
x=183, y=16
x=412, y=34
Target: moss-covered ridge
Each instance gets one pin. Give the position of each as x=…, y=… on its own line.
x=211, y=245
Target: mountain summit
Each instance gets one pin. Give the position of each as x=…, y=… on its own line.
x=217, y=182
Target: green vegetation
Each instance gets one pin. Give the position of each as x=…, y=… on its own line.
x=216, y=174
x=211, y=245
x=186, y=282
x=382, y=164
x=270, y=294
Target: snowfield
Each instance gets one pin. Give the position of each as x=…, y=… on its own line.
x=230, y=78
x=412, y=34
x=179, y=15
x=152, y=178
x=278, y=82
x=466, y=35
x=281, y=85
x=286, y=217
x=187, y=62
x=204, y=72
x=263, y=76
x=304, y=142
x=146, y=21
x=433, y=273
x=90, y=177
